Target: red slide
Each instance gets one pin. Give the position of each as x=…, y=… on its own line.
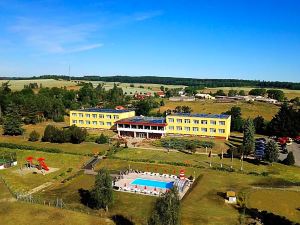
x=44, y=165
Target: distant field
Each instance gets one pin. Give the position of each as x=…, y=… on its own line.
x=17, y=85
x=288, y=93
x=248, y=109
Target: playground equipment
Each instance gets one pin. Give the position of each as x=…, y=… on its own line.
x=7, y=160
x=41, y=163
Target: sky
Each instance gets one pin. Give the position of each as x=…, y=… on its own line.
x=243, y=39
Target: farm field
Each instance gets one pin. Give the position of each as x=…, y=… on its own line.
x=290, y=94
x=17, y=85
x=251, y=110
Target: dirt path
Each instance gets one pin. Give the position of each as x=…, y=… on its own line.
x=39, y=188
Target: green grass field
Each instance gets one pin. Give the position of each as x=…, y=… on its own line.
x=83, y=148
x=28, y=214
x=25, y=182
x=17, y=85
x=284, y=203
x=248, y=109
x=288, y=93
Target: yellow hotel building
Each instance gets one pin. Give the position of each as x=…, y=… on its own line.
x=98, y=118
x=209, y=125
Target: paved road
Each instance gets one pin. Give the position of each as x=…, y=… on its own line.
x=295, y=148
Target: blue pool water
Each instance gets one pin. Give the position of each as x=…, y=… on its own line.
x=152, y=183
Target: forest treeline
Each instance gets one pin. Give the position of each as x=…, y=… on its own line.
x=200, y=83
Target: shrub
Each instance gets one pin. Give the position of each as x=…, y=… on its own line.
x=34, y=136
x=102, y=139
x=289, y=160
x=77, y=134
x=48, y=133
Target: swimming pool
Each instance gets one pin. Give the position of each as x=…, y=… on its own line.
x=152, y=183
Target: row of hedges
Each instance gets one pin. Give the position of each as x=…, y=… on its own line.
x=185, y=144
x=27, y=147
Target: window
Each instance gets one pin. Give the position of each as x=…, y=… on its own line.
x=94, y=115
x=74, y=121
x=213, y=122
x=87, y=122
x=187, y=121
x=203, y=121
x=222, y=123
x=212, y=130
x=116, y=117
x=80, y=114
x=222, y=131
x=80, y=121
x=87, y=115
x=108, y=116
x=195, y=129
x=171, y=120
x=171, y=127
x=101, y=123
x=94, y=122
x=74, y=114
x=178, y=128
x=101, y=116
x=204, y=130
x=108, y=123
x=187, y=128
x=179, y=120
x=196, y=121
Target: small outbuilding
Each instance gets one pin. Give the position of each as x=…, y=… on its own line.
x=231, y=197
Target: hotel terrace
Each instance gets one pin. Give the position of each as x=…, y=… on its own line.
x=127, y=124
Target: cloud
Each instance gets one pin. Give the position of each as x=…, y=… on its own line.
x=147, y=15
x=56, y=38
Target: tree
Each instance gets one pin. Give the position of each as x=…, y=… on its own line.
x=162, y=103
x=276, y=94
x=271, y=152
x=286, y=122
x=259, y=124
x=77, y=134
x=258, y=92
x=49, y=133
x=248, y=139
x=232, y=93
x=220, y=93
x=12, y=123
x=34, y=136
x=102, y=139
x=162, y=88
x=236, y=119
x=242, y=93
x=290, y=159
x=143, y=107
x=167, y=209
x=103, y=192
x=186, y=109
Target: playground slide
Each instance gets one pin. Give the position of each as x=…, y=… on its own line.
x=44, y=166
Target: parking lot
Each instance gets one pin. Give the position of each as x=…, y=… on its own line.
x=295, y=148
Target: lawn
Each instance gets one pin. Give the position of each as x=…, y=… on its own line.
x=288, y=93
x=83, y=148
x=251, y=110
x=28, y=214
x=283, y=203
x=28, y=181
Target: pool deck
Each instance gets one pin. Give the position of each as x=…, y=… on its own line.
x=124, y=184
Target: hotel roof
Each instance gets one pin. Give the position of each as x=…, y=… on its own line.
x=141, y=120
x=212, y=116
x=100, y=110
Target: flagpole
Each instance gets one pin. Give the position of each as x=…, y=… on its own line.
x=210, y=158
x=231, y=159
x=222, y=159
x=242, y=160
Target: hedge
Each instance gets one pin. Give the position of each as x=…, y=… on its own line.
x=27, y=147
